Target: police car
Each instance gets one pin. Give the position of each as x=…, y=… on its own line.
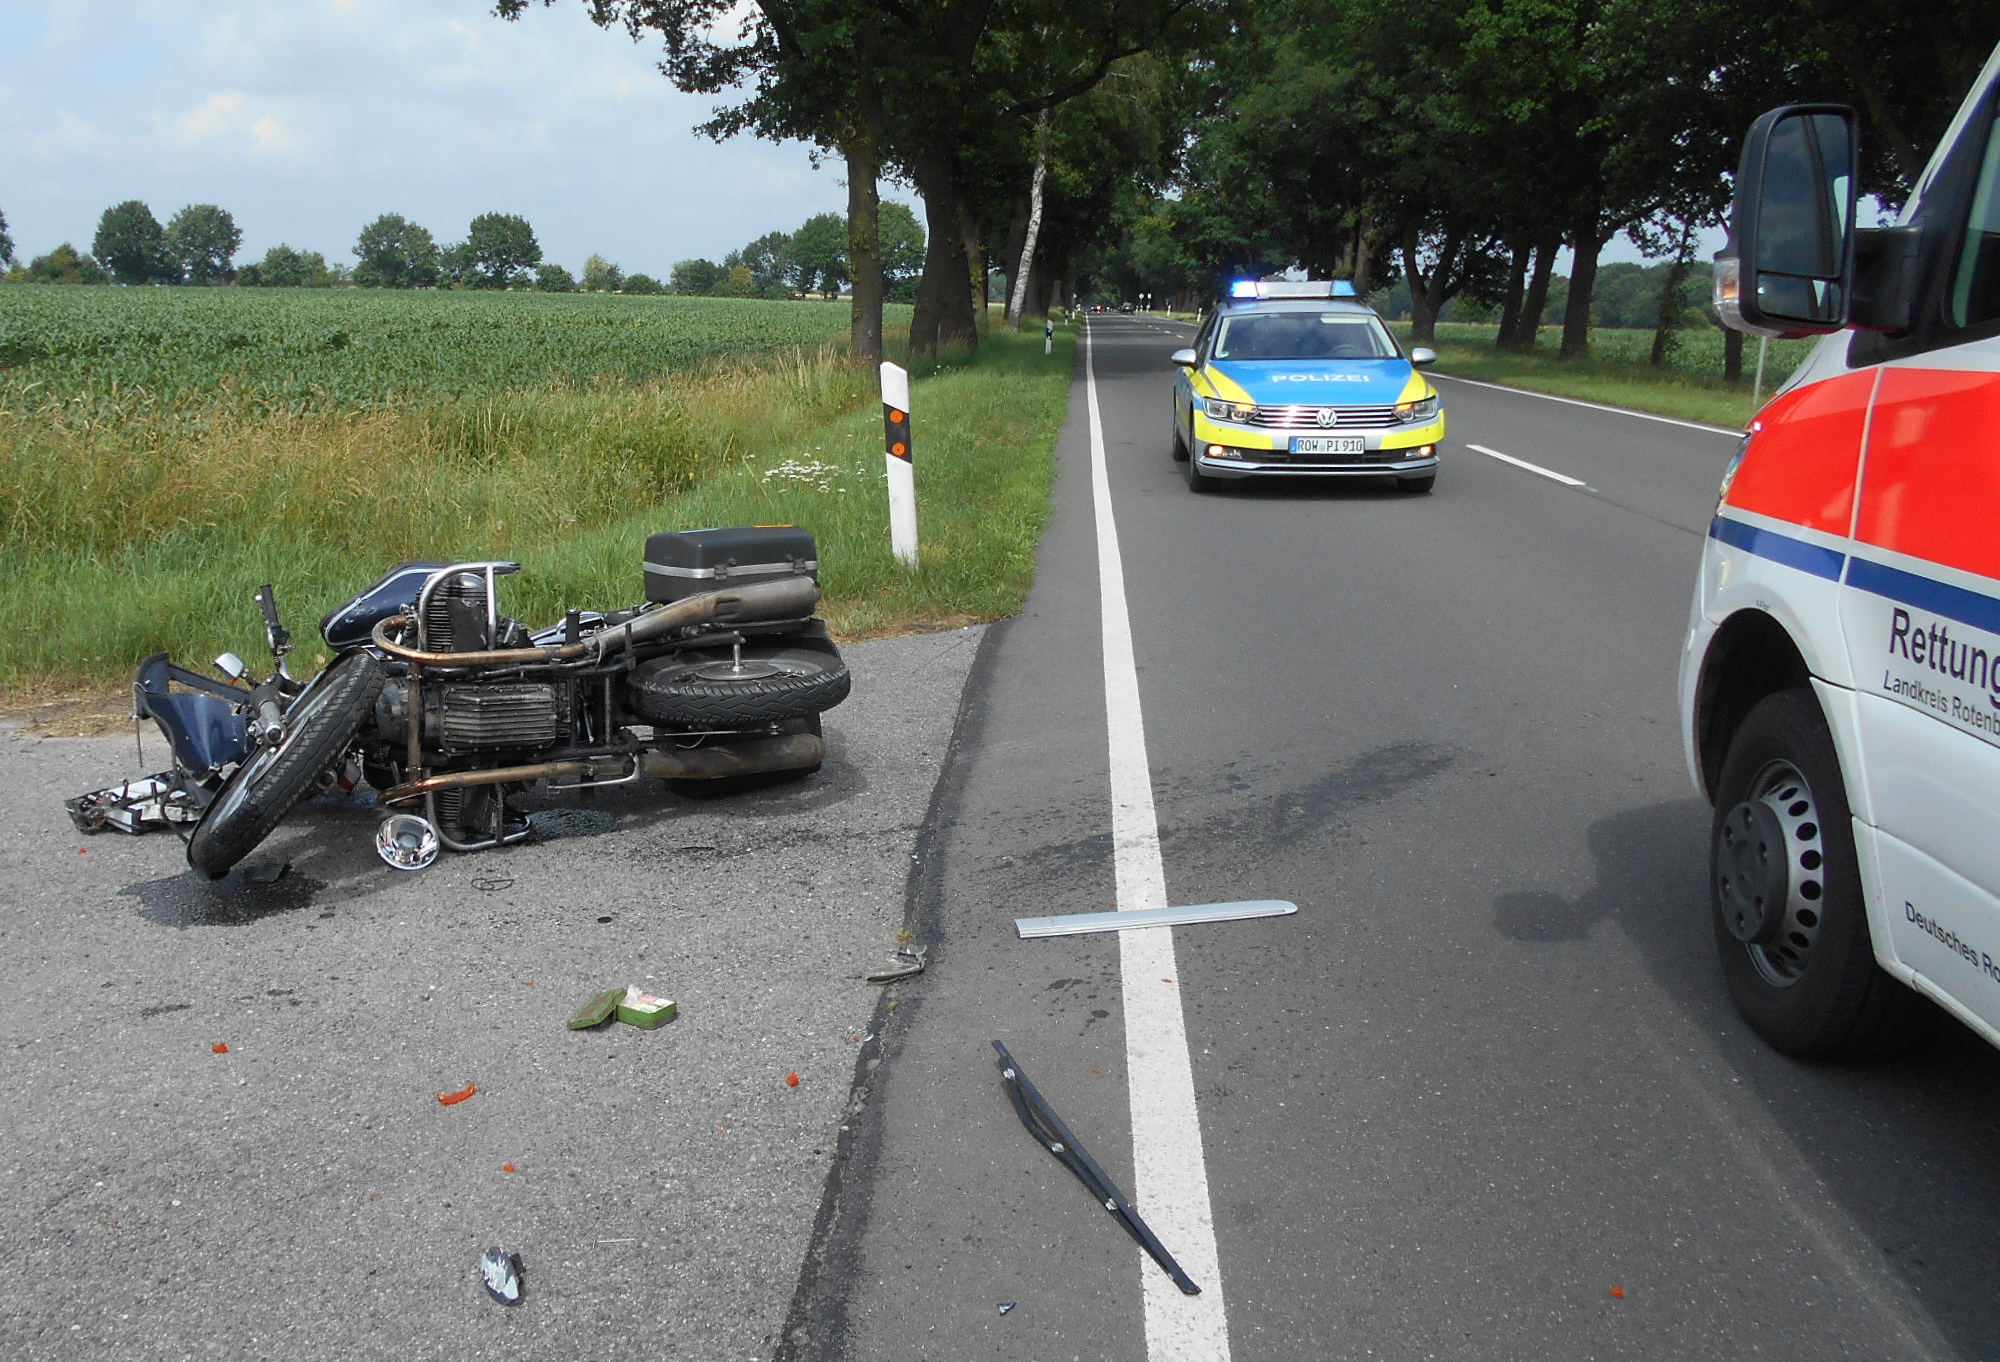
x=1300, y=380
x=1840, y=684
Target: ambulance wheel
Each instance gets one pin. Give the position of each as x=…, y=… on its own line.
x=1180, y=442
x=1416, y=485
x=1790, y=920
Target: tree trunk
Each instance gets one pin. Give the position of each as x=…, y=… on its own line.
x=864, y=253
x=1510, y=307
x=1536, y=300
x=1364, y=257
x=1670, y=297
x=1027, y=261
x=978, y=277
x=943, y=318
x=1429, y=295
x=1588, y=244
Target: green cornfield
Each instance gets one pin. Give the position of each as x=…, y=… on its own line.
x=98, y=354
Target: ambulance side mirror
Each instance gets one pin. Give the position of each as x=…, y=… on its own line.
x=1788, y=269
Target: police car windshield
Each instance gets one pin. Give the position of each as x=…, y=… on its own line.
x=1303, y=335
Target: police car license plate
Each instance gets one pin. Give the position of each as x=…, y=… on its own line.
x=1328, y=444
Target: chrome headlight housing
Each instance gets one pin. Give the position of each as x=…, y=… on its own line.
x=1417, y=412
x=1221, y=409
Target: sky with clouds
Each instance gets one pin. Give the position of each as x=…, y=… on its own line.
x=307, y=119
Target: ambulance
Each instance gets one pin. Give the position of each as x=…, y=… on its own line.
x=1840, y=683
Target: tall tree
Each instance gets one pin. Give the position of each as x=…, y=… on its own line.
x=922, y=88
x=601, y=276
x=900, y=239
x=6, y=243
x=131, y=243
x=393, y=252
x=502, y=247
x=696, y=277
x=819, y=254
x=202, y=241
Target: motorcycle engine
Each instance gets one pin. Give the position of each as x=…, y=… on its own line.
x=464, y=717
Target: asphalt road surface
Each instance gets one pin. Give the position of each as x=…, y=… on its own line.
x=1483, y=1096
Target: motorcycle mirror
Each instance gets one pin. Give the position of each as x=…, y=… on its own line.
x=232, y=666
x=406, y=841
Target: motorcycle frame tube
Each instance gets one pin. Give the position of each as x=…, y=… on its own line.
x=784, y=753
x=452, y=844
x=759, y=600
x=488, y=571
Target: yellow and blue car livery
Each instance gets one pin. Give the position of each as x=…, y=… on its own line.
x=1295, y=380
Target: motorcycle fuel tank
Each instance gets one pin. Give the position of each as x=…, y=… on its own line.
x=395, y=593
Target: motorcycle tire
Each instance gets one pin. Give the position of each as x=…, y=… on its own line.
x=778, y=683
x=265, y=787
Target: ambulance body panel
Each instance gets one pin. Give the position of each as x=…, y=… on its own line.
x=1855, y=555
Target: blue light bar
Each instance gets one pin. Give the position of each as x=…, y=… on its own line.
x=1292, y=288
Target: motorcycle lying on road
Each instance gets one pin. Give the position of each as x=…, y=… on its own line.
x=451, y=710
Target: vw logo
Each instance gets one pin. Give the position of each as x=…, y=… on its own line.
x=1328, y=416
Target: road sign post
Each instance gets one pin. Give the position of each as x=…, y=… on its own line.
x=901, y=470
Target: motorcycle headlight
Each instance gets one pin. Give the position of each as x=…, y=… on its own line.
x=1219, y=409
x=1423, y=409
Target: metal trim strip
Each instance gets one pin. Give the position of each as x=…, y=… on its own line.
x=1076, y=924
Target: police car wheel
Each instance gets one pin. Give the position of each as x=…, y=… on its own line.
x=1180, y=442
x=1197, y=480
x=1789, y=918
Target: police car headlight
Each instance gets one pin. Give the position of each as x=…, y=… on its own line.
x=1220, y=410
x=1423, y=409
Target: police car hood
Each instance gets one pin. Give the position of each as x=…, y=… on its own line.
x=1315, y=382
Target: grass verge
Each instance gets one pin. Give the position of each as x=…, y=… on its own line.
x=1689, y=387
x=119, y=542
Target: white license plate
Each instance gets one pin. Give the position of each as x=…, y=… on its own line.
x=1328, y=444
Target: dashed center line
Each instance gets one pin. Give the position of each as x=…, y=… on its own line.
x=1563, y=478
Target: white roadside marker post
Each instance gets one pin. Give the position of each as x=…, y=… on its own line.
x=902, y=476
x=1049, y=336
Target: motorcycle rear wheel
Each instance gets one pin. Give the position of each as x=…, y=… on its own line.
x=261, y=791
x=708, y=688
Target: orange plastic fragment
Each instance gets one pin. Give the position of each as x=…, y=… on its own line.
x=1618, y=1293
x=452, y=1099
x=792, y=1079
x=83, y=851
x=506, y=1167
x=218, y=1048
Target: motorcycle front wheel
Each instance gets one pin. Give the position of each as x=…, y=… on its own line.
x=261, y=791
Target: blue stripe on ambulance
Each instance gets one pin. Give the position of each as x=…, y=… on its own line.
x=1877, y=579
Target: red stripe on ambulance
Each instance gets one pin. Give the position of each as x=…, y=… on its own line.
x=1800, y=466
x=1933, y=470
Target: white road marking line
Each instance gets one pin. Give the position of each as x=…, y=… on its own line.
x=1563, y=478
x=1597, y=406
x=1170, y=1176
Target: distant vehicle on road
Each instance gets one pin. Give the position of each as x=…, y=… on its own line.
x=1300, y=380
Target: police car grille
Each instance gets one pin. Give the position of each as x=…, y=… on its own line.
x=1307, y=418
